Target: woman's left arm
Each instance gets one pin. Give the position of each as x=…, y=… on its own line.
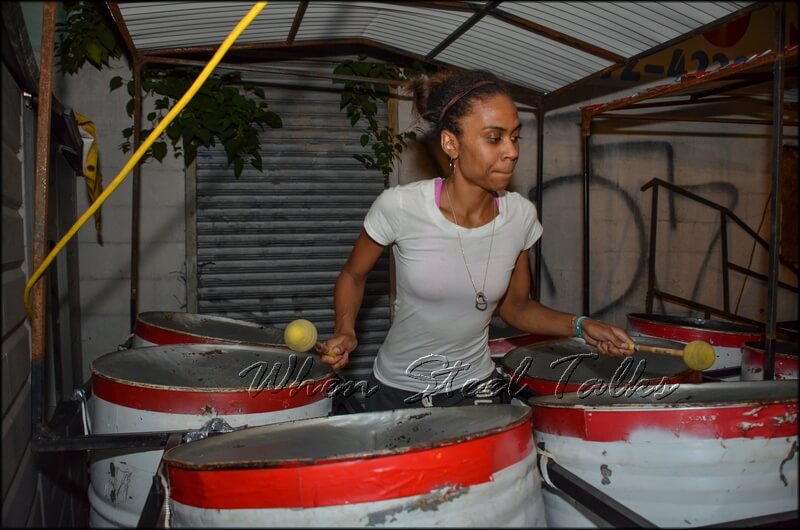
x=517, y=309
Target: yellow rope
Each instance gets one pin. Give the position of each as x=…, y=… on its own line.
x=226, y=44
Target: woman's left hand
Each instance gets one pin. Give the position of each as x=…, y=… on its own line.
x=609, y=340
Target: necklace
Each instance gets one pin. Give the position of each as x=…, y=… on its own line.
x=480, y=298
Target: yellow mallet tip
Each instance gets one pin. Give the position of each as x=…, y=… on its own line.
x=699, y=355
x=300, y=335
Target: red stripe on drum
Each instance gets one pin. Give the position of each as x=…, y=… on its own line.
x=349, y=481
x=688, y=334
x=499, y=347
x=199, y=401
x=158, y=335
x=757, y=420
x=786, y=366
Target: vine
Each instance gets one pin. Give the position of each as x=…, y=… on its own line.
x=220, y=111
x=223, y=110
x=360, y=101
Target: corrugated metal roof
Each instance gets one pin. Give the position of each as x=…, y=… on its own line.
x=626, y=28
x=541, y=46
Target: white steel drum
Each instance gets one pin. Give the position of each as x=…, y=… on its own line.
x=449, y=466
x=170, y=327
x=570, y=365
x=181, y=388
x=702, y=455
x=754, y=354
x=727, y=338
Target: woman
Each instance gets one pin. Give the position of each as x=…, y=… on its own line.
x=461, y=251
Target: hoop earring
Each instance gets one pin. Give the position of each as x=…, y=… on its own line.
x=452, y=166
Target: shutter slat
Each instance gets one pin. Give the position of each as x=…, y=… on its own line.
x=271, y=244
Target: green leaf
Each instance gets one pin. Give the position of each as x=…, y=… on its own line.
x=256, y=161
x=190, y=153
x=364, y=139
x=159, y=149
x=174, y=131
x=94, y=52
x=115, y=83
x=273, y=120
x=238, y=166
x=106, y=38
x=204, y=135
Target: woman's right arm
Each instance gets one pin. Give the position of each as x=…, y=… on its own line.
x=347, y=296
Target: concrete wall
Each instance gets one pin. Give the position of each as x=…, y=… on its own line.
x=730, y=168
x=106, y=268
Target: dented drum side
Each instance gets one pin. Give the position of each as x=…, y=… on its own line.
x=755, y=353
x=676, y=464
x=475, y=480
x=120, y=480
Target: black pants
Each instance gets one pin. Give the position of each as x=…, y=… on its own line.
x=389, y=398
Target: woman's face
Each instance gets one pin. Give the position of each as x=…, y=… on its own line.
x=488, y=148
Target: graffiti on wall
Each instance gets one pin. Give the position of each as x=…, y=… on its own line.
x=725, y=194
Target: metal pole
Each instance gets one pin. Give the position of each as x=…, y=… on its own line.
x=41, y=198
x=537, y=270
x=136, y=191
x=651, y=259
x=586, y=132
x=775, y=205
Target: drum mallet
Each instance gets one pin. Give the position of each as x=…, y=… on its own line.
x=698, y=354
x=301, y=336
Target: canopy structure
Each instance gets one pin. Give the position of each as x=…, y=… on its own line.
x=541, y=48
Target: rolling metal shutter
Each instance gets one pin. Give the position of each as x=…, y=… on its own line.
x=271, y=244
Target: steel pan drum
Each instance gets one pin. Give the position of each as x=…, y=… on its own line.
x=727, y=338
x=450, y=466
x=754, y=354
x=503, y=339
x=168, y=327
x=181, y=388
x=570, y=365
x=701, y=455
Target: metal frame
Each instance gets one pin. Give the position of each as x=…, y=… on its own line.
x=727, y=265
x=776, y=60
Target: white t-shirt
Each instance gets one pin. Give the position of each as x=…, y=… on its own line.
x=438, y=340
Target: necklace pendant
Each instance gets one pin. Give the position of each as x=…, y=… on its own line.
x=480, y=302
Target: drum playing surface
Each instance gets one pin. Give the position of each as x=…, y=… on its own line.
x=205, y=366
x=571, y=363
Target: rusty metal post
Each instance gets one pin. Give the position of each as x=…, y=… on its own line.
x=537, y=269
x=136, y=193
x=586, y=133
x=775, y=200
x=40, y=217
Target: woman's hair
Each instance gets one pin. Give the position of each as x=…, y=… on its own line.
x=445, y=97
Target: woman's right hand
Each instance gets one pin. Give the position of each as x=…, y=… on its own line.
x=338, y=350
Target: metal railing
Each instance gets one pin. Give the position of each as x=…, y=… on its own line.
x=727, y=265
